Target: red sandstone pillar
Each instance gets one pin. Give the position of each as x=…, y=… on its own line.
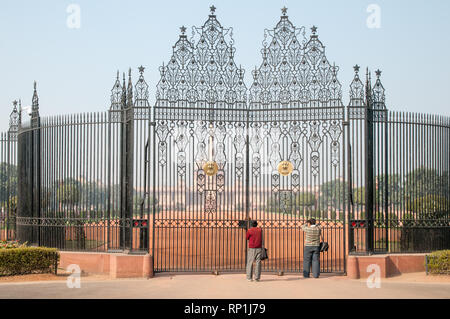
x=148, y=266
x=352, y=267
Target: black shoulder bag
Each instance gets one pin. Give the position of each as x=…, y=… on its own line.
x=323, y=246
x=264, y=255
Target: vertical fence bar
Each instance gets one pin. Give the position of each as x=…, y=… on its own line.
x=369, y=166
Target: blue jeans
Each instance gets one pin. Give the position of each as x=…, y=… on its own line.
x=311, y=253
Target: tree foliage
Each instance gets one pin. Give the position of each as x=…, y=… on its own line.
x=422, y=182
x=359, y=196
x=305, y=199
x=69, y=192
x=334, y=193
x=429, y=206
x=8, y=181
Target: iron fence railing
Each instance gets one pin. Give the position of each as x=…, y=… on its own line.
x=8, y=183
x=411, y=210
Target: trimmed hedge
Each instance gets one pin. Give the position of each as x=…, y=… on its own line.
x=439, y=262
x=28, y=260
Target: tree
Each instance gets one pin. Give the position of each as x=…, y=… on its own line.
x=46, y=198
x=8, y=181
x=153, y=201
x=305, y=200
x=395, y=189
x=93, y=194
x=180, y=206
x=428, y=226
x=240, y=207
x=422, y=182
x=69, y=192
x=359, y=196
x=429, y=207
x=334, y=193
x=444, y=184
x=282, y=205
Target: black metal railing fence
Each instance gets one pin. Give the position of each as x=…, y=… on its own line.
x=411, y=199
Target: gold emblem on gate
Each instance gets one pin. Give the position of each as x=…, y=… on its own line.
x=210, y=168
x=285, y=168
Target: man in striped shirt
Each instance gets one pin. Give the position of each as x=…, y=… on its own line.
x=311, y=248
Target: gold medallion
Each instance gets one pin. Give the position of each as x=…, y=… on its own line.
x=210, y=168
x=285, y=168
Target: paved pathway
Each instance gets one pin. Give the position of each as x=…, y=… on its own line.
x=228, y=286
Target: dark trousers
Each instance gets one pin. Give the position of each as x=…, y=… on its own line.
x=311, y=253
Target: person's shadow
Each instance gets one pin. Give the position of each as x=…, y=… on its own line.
x=284, y=279
x=298, y=277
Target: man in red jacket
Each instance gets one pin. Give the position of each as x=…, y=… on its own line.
x=254, y=237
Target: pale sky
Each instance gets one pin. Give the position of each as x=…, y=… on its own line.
x=75, y=68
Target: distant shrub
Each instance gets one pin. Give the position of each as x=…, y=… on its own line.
x=439, y=262
x=427, y=206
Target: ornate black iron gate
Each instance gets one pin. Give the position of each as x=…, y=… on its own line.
x=220, y=162
x=182, y=179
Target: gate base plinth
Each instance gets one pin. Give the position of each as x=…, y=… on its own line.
x=359, y=267
x=116, y=265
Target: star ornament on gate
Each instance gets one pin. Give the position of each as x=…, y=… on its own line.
x=284, y=11
x=378, y=73
x=213, y=9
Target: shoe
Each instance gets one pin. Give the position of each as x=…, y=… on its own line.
x=249, y=279
x=257, y=280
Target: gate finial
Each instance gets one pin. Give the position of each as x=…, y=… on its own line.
x=14, y=118
x=213, y=9
x=124, y=94
x=141, y=89
x=35, y=103
x=20, y=112
x=129, y=90
x=368, y=89
x=378, y=73
x=116, y=92
x=284, y=11
x=379, y=92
